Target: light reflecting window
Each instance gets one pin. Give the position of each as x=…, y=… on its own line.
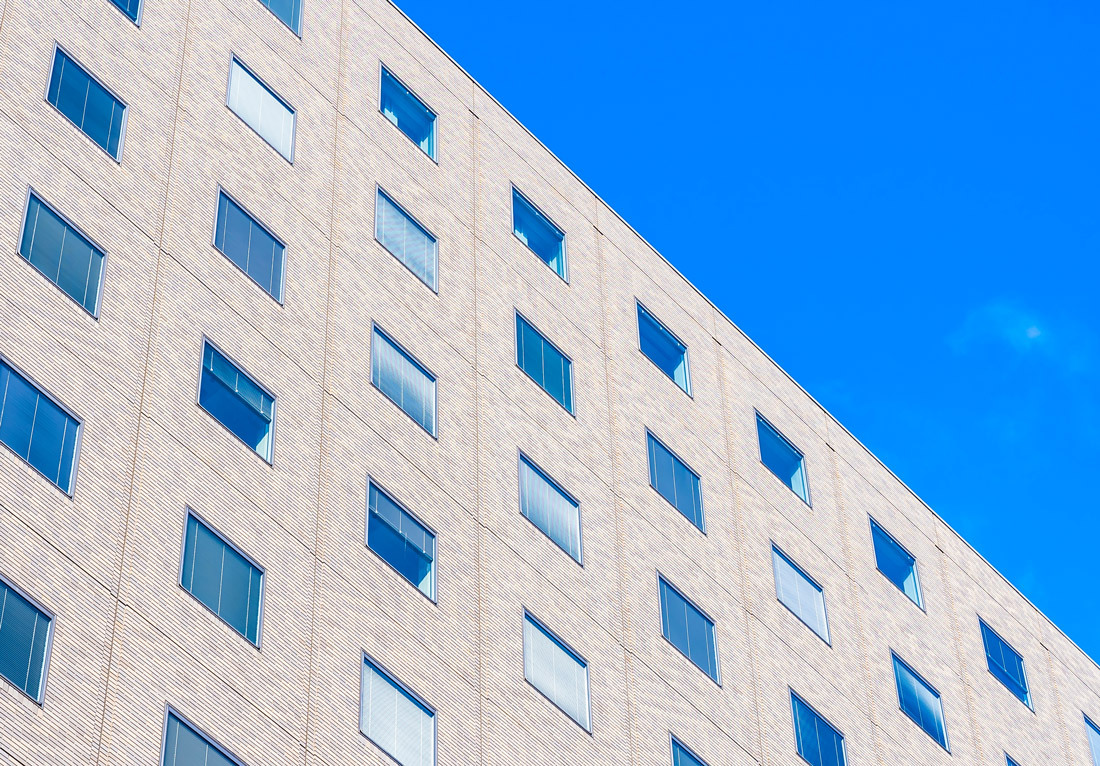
x=405, y=239
x=62, y=254
x=550, y=508
x=401, y=540
x=287, y=11
x=556, y=671
x=674, y=481
x=132, y=8
x=237, y=401
x=688, y=629
x=1094, y=740
x=543, y=363
x=25, y=632
x=920, y=702
x=90, y=106
x=37, y=429
x=394, y=719
x=1005, y=663
x=782, y=458
x=247, y=243
x=185, y=745
x=262, y=110
x=403, y=380
x=401, y=107
x=896, y=563
x=682, y=756
x=817, y=741
x=539, y=233
x=799, y=593
x=663, y=348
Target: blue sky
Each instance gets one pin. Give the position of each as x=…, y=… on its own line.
x=899, y=201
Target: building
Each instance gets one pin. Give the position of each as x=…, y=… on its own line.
x=344, y=425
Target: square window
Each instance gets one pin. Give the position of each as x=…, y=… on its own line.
x=237, y=401
x=688, y=629
x=395, y=719
x=36, y=428
x=556, y=671
x=817, y=742
x=185, y=745
x=920, y=702
x=401, y=540
x=663, y=349
x=544, y=364
x=405, y=239
x=250, y=246
x=25, y=633
x=403, y=380
x=896, y=563
x=1005, y=663
x=261, y=109
x=675, y=481
x=408, y=113
x=782, y=458
x=539, y=233
x=550, y=508
x=799, y=593
x=97, y=112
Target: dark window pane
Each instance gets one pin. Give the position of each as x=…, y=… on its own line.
x=24, y=635
x=87, y=103
x=688, y=629
x=237, y=402
x=62, y=254
x=129, y=7
x=222, y=579
x=663, y=349
x=408, y=113
x=288, y=11
x=536, y=231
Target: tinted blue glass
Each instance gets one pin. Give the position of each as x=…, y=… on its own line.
x=130, y=7
x=90, y=106
x=184, y=746
x=401, y=107
x=675, y=482
x=663, y=348
x=817, y=741
x=36, y=429
x=62, y=254
x=545, y=365
x=236, y=401
x=1005, y=663
x=920, y=702
x=402, y=541
x=1009, y=761
x=1094, y=740
x=782, y=459
x=222, y=579
x=681, y=756
x=536, y=231
x=288, y=11
x=24, y=637
x=895, y=563
x=800, y=594
x=403, y=380
x=688, y=629
x=549, y=508
x=249, y=245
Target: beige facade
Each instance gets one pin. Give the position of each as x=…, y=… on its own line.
x=128, y=640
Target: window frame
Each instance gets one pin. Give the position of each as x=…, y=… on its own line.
x=804, y=467
x=794, y=725
x=189, y=513
x=562, y=644
x=375, y=327
x=675, y=742
x=233, y=57
x=828, y=637
x=125, y=106
x=141, y=9
x=713, y=623
x=895, y=658
x=916, y=564
x=379, y=189
x=640, y=308
x=365, y=658
x=263, y=225
x=171, y=710
x=524, y=457
x=434, y=156
x=1028, y=701
x=79, y=430
x=564, y=276
x=296, y=32
x=46, y=656
x=1089, y=724
x=434, y=597
x=241, y=369
x=32, y=192
x=515, y=355
x=692, y=471
x=1010, y=761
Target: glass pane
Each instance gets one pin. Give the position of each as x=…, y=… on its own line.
x=236, y=402
x=920, y=702
x=538, y=233
x=61, y=253
x=1094, y=741
x=261, y=109
x=688, y=629
x=681, y=756
x=183, y=746
x=222, y=579
x=48, y=440
x=662, y=347
x=1005, y=663
x=799, y=594
x=781, y=458
x=405, y=239
x=17, y=414
x=24, y=632
x=401, y=541
x=129, y=7
x=549, y=508
x=816, y=740
x=895, y=563
x=288, y=11
x=43, y=238
x=408, y=113
x=87, y=103
x=403, y=381
x=556, y=672
x=395, y=721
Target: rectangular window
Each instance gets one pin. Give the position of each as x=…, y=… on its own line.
x=688, y=629
x=817, y=741
x=401, y=107
x=539, y=233
x=682, y=756
x=1005, y=663
x=263, y=111
x=222, y=579
x=185, y=745
x=62, y=254
x=782, y=458
x=405, y=239
x=550, y=508
x=248, y=244
x=896, y=564
x=920, y=702
x=287, y=11
x=543, y=363
x=556, y=671
x=237, y=401
x=663, y=349
x=675, y=482
x=394, y=719
x=800, y=594
x=400, y=540
x=24, y=642
x=1094, y=740
x=132, y=8
x=90, y=106
x=34, y=427
x=403, y=380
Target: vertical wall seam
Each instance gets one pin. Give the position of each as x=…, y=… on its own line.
x=1059, y=709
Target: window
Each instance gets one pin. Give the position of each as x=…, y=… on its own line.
x=222, y=579
x=550, y=508
x=90, y=106
x=24, y=642
x=394, y=719
x=896, y=564
x=782, y=459
x=236, y=401
x=185, y=745
x=403, y=380
x=132, y=9
x=37, y=429
x=62, y=254
x=405, y=239
x=536, y=231
x=248, y=244
x=817, y=741
x=1094, y=740
x=663, y=349
x=556, y=671
x=688, y=629
x=1005, y=663
x=682, y=756
x=800, y=594
x=920, y=702
x=400, y=540
x=544, y=364
x=1009, y=761
x=263, y=111
x=287, y=11
x=401, y=107
x=675, y=482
